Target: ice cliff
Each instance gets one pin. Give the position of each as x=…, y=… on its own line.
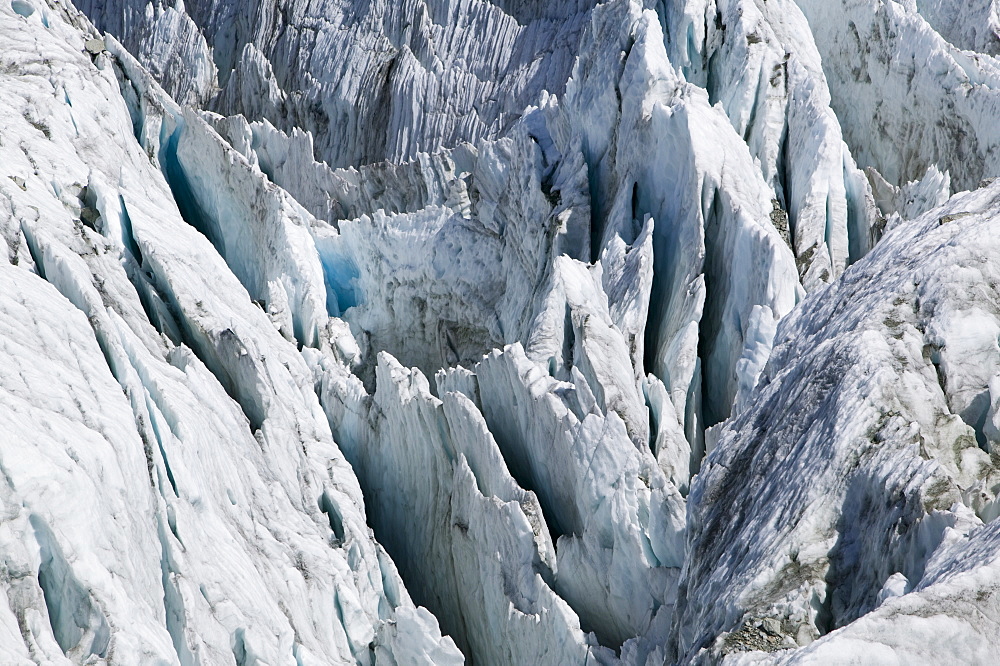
x=499, y=332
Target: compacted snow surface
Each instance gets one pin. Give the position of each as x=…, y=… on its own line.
x=499, y=332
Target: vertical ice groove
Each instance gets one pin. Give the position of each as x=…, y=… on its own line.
x=632, y=332
x=77, y=621
x=99, y=216
x=173, y=603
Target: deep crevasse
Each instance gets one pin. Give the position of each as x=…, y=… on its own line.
x=591, y=231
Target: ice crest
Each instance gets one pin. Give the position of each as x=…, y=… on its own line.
x=499, y=331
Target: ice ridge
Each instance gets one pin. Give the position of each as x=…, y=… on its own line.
x=499, y=332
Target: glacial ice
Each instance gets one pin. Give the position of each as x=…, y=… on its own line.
x=759, y=61
x=880, y=389
x=405, y=78
x=499, y=331
x=906, y=98
x=142, y=419
x=971, y=26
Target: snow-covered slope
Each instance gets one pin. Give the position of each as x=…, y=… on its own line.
x=147, y=373
x=498, y=331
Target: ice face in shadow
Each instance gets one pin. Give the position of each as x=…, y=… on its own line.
x=577, y=322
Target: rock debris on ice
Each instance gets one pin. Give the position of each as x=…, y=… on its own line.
x=499, y=332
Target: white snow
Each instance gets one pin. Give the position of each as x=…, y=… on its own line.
x=504, y=331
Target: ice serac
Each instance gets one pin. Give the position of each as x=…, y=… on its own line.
x=907, y=98
x=862, y=467
x=760, y=62
x=618, y=521
x=137, y=539
x=170, y=46
x=973, y=25
x=345, y=194
x=912, y=199
x=473, y=544
x=661, y=150
x=261, y=232
x=370, y=81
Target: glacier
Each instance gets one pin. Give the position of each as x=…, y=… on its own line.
x=632, y=332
